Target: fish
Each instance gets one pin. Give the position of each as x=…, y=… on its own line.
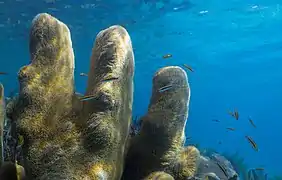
x=87, y=97
x=209, y=176
x=3, y=73
x=259, y=168
x=231, y=129
x=165, y=88
x=170, y=86
x=167, y=56
x=188, y=67
x=252, y=123
x=110, y=79
x=253, y=143
x=222, y=169
x=20, y=140
x=216, y=120
x=188, y=138
x=83, y=74
x=234, y=114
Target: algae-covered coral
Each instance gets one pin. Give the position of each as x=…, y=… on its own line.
x=63, y=137
x=66, y=138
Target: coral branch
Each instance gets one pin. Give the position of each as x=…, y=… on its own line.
x=109, y=113
x=159, y=145
x=45, y=100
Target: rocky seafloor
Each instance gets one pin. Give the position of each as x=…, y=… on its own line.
x=55, y=134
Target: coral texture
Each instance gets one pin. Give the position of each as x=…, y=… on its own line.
x=66, y=138
x=159, y=145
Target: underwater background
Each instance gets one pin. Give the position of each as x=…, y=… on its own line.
x=234, y=48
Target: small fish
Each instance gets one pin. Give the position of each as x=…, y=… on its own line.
x=222, y=169
x=259, y=168
x=165, y=88
x=216, y=120
x=219, y=142
x=252, y=123
x=110, y=79
x=87, y=97
x=167, y=56
x=20, y=140
x=170, y=86
x=83, y=74
x=188, y=67
x=234, y=114
x=3, y=73
x=209, y=176
x=231, y=129
x=252, y=142
x=188, y=138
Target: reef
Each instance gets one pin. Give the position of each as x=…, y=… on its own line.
x=64, y=136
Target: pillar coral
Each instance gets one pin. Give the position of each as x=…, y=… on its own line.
x=66, y=138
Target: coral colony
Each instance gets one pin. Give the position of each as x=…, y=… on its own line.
x=52, y=132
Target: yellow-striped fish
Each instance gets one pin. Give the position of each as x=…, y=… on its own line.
x=167, y=56
x=252, y=142
x=234, y=114
x=188, y=67
x=87, y=97
x=165, y=88
x=20, y=140
x=110, y=79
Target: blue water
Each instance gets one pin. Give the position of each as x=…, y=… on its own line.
x=234, y=47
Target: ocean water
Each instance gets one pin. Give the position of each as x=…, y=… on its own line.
x=234, y=47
